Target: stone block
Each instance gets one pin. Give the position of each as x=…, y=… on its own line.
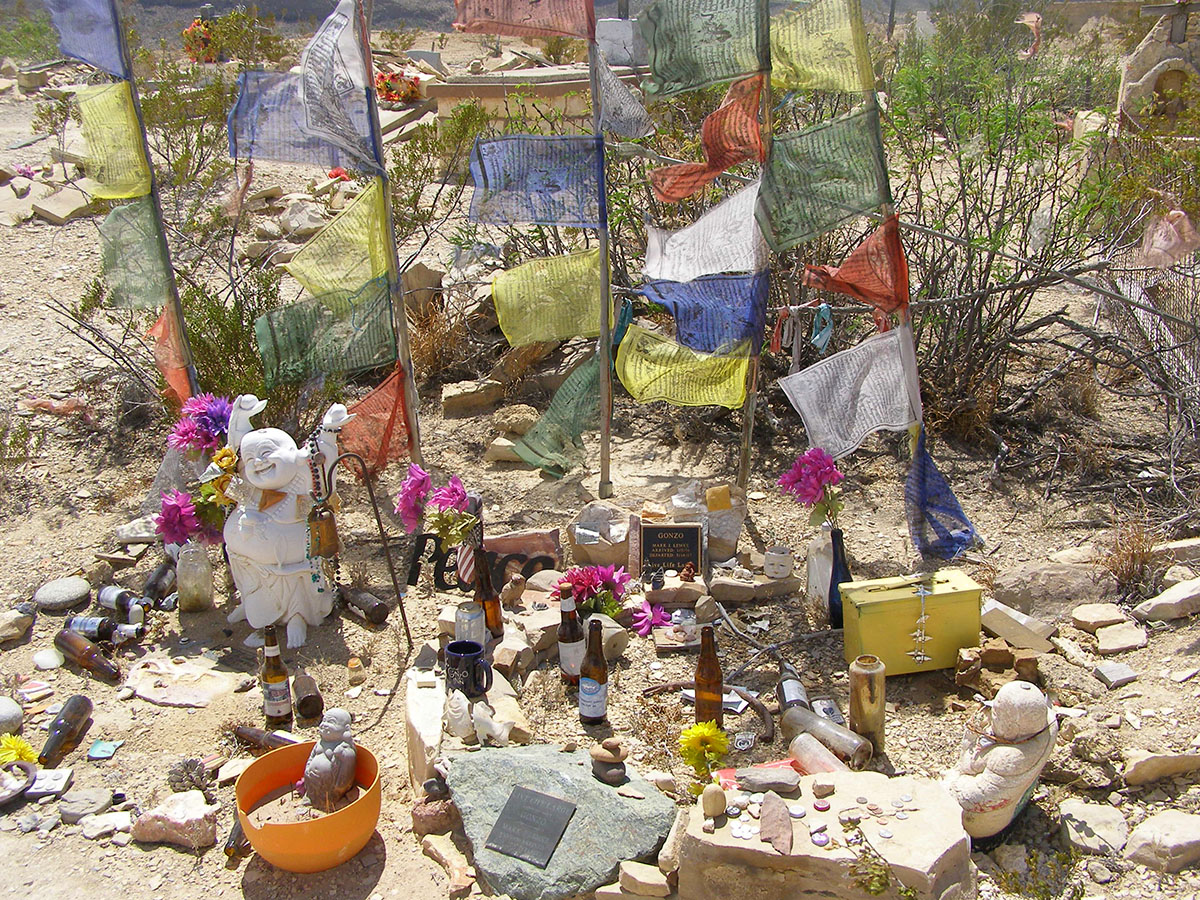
x=502, y=449
x=13, y=624
x=996, y=654
x=1020, y=630
x=446, y=615
x=1091, y=617
x=512, y=656
x=1167, y=841
x=63, y=206
x=1177, y=602
x=1185, y=551
x=725, y=589
x=668, y=855
x=442, y=850
x=185, y=819
x=1050, y=589
x=640, y=878
x=32, y=81
x=1143, y=767
x=677, y=594
x=706, y=609
x=470, y=398
x=1095, y=828
x=424, y=702
x=515, y=419
x=1120, y=638
x=540, y=627
x=1114, y=674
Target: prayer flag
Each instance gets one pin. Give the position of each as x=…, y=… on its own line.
x=729, y=136
x=550, y=299
x=527, y=18
x=620, y=111
x=822, y=176
x=269, y=121
x=695, y=43
x=724, y=239
x=529, y=179
x=319, y=337
x=553, y=443
x=348, y=252
x=131, y=257
x=821, y=46
x=875, y=273
x=1168, y=240
x=116, y=156
x=654, y=367
x=852, y=394
x=936, y=521
x=378, y=432
x=169, y=355
x=715, y=312
x=90, y=30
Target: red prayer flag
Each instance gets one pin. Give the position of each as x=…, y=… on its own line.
x=527, y=18
x=169, y=356
x=875, y=273
x=378, y=432
x=729, y=136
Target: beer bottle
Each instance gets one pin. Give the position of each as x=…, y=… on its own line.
x=236, y=844
x=85, y=654
x=263, y=739
x=364, y=605
x=570, y=639
x=161, y=582
x=102, y=628
x=485, y=594
x=131, y=607
x=277, y=697
x=593, y=678
x=790, y=691
x=308, y=702
x=65, y=730
x=709, y=689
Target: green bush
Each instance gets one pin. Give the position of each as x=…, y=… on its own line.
x=27, y=37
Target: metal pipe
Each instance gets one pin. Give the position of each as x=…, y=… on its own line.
x=605, y=347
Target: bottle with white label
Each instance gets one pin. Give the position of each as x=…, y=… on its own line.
x=571, y=645
x=593, y=678
x=131, y=607
x=273, y=678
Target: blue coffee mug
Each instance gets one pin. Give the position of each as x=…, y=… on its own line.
x=466, y=669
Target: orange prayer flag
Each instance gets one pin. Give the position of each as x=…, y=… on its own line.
x=378, y=432
x=875, y=273
x=170, y=357
x=729, y=136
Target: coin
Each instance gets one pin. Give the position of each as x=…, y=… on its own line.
x=797, y=812
x=901, y=815
x=885, y=834
x=899, y=804
x=862, y=800
x=732, y=811
x=907, y=798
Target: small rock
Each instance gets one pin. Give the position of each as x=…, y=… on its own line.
x=82, y=802
x=502, y=449
x=760, y=780
x=1013, y=858
x=139, y=531
x=99, y=826
x=13, y=624
x=49, y=658
x=822, y=786
x=1120, y=638
x=122, y=839
x=775, y=823
x=185, y=818
x=1176, y=602
x=516, y=419
x=664, y=781
x=63, y=593
x=648, y=881
x=1092, y=616
x=1176, y=574
x=712, y=801
x=1144, y=767
x=1166, y=842
x=301, y=220
x=125, y=693
x=1115, y=674
x=1182, y=675
x=706, y=609
x=469, y=398
x=1099, y=872
x=435, y=817
x=11, y=716
x=1094, y=828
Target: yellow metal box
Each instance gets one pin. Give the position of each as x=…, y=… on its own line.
x=914, y=623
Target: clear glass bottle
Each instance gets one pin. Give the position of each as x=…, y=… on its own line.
x=194, y=578
x=867, y=682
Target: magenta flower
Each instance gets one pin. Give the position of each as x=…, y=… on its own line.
x=649, y=617
x=613, y=579
x=452, y=496
x=410, y=501
x=807, y=479
x=195, y=406
x=177, y=521
x=185, y=435
x=583, y=582
x=25, y=171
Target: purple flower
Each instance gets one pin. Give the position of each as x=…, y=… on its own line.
x=177, y=521
x=196, y=406
x=215, y=418
x=410, y=501
x=648, y=617
x=808, y=477
x=452, y=496
x=613, y=579
x=25, y=171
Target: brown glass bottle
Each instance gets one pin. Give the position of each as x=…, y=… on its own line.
x=65, y=730
x=263, y=739
x=131, y=607
x=161, y=581
x=237, y=844
x=308, y=702
x=593, y=678
x=571, y=645
x=364, y=605
x=273, y=677
x=85, y=654
x=103, y=628
x=709, y=688
x=486, y=596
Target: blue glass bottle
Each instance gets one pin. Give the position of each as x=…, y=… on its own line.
x=839, y=574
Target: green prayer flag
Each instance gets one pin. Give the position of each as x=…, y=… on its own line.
x=131, y=257
x=822, y=176
x=695, y=43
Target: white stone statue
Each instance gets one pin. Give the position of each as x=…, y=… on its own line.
x=267, y=535
x=329, y=772
x=997, y=770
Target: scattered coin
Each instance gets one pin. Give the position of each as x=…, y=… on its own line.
x=885, y=834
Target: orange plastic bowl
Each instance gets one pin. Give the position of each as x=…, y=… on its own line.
x=322, y=843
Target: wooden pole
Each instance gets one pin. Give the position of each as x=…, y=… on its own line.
x=399, y=309
x=605, y=348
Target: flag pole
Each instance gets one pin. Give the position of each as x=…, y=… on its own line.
x=399, y=309
x=751, y=402
x=605, y=348
x=156, y=205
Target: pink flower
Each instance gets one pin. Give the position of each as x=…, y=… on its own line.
x=185, y=435
x=452, y=496
x=613, y=579
x=410, y=501
x=177, y=521
x=583, y=582
x=648, y=617
x=808, y=477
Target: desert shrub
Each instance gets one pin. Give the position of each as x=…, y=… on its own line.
x=27, y=36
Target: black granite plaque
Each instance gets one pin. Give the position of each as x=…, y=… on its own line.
x=671, y=547
x=530, y=826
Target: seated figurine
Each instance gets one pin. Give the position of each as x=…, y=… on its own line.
x=329, y=772
x=998, y=770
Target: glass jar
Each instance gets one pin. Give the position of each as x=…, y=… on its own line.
x=194, y=578
x=469, y=624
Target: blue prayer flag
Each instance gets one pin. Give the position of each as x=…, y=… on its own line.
x=714, y=312
x=529, y=179
x=936, y=521
x=90, y=30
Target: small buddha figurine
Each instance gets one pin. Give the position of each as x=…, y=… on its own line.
x=688, y=572
x=329, y=772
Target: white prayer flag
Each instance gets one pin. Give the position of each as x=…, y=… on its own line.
x=852, y=394
x=621, y=112
x=724, y=239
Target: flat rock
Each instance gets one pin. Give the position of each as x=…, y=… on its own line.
x=1095, y=828
x=1020, y=630
x=424, y=703
x=63, y=593
x=80, y=802
x=14, y=624
x=1167, y=841
x=11, y=715
x=1176, y=574
x=1143, y=767
x=470, y=398
x=1176, y=602
x=605, y=829
x=99, y=826
x=640, y=878
x=515, y=419
x=63, y=206
x=1185, y=551
x=1115, y=674
x=668, y=855
x=1120, y=638
x=1099, y=872
x=1092, y=616
x=1050, y=589
x=139, y=531
x=732, y=590
x=775, y=823
x=185, y=819
x=229, y=772
x=502, y=449
x=179, y=682
x=540, y=627
x=759, y=781
x=302, y=219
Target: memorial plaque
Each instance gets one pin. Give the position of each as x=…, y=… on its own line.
x=671, y=547
x=530, y=826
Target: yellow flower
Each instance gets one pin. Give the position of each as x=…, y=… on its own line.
x=226, y=459
x=703, y=741
x=14, y=749
x=219, y=486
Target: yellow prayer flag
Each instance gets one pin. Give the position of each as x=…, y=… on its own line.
x=654, y=367
x=116, y=156
x=349, y=251
x=821, y=46
x=550, y=299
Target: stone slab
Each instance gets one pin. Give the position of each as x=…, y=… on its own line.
x=1120, y=638
x=1167, y=841
x=424, y=702
x=606, y=829
x=1091, y=617
x=1184, y=551
x=63, y=206
x=1143, y=767
x=470, y=398
x=1115, y=674
x=1176, y=602
x=1095, y=828
x=732, y=591
x=1020, y=630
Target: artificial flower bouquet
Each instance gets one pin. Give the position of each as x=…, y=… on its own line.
x=443, y=511
x=813, y=480
x=200, y=435
x=596, y=589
